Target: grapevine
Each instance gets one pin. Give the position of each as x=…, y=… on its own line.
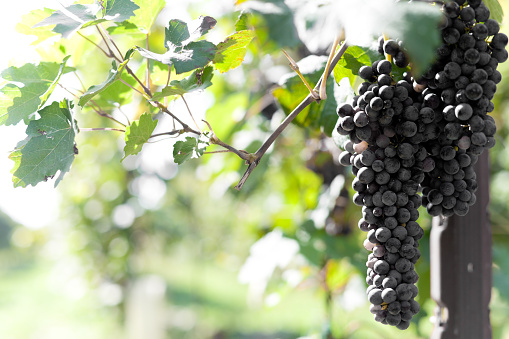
x=411, y=135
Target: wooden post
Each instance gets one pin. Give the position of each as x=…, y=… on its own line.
x=461, y=260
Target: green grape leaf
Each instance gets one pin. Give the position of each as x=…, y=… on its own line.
x=147, y=13
x=179, y=33
x=184, y=53
x=184, y=150
x=25, y=26
x=231, y=52
x=292, y=91
x=417, y=25
x=176, y=32
x=496, y=11
x=138, y=134
x=127, y=28
x=339, y=139
x=328, y=115
x=116, y=94
x=273, y=22
x=198, y=80
x=119, y=10
x=184, y=59
x=71, y=20
x=48, y=92
x=48, y=148
x=114, y=75
x=8, y=93
x=343, y=93
x=242, y=22
x=348, y=66
x=19, y=103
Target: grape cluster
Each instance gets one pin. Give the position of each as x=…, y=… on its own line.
x=461, y=85
x=419, y=135
x=389, y=164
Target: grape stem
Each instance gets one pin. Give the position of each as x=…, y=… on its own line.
x=306, y=102
x=295, y=67
x=323, y=86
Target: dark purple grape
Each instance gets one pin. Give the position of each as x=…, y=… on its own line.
x=480, y=31
x=467, y=13
x=482, y=13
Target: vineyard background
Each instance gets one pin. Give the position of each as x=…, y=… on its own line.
x=149, y=249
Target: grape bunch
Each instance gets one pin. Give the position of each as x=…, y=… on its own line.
x=389, y=165
x=419, y=135
x=460, y=86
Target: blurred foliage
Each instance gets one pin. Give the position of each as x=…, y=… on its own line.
x=283, y=258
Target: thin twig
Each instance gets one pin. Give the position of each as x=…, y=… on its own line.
x=189, y=110
x=127, y=84
x=165, y=109
x=248, y=157
x=110, y=51
x=96, y=45
x=111, y=40
x=166, y=98
x=101, y=129
x=148, y=63
x=145, y=89
x=102, y=113
x=169, y=75
x=125, y=116
x=81, y=82
x=127, y=68
x=177, y=131
x=306, y=102
x=66, y=89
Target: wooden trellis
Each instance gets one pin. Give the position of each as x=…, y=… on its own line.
x=461, y=267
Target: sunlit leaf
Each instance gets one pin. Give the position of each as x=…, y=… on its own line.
x=74, y=17
x=496, y=11
x=39, y=81
x=273, y=22
x=49, y=147
x=184, y=59
x=292, y=91
x=185, y=54
x=178, y=33
x=147, y=13
x=242, y=22
x=127, y=28
x=116, y=94
x=48, y=92
x=231, y=52
x=70, y=20
x=114, y=75
x=199, y=80
x=138, y=134
x=348, y=66
x=25, y=26
x=118, y=10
